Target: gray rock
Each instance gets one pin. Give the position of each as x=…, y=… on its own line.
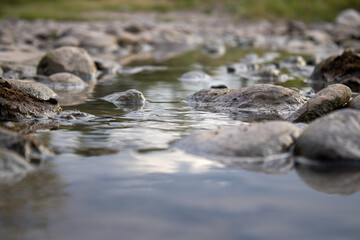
x=355, y=103
x=293, y=61
x=214, y=48
x=247, y=140
x=1, y=72
x=130, y=97
x=348, y=18
x=261, y=101
x=327, y=100
x=330, y=181
x=344, y=68
x=34, y=89
x=68, y=59
x=333, y=138
x=16, y=105
x=12, y=166
x=95, y=40
x=195, y=77
x=65, y=82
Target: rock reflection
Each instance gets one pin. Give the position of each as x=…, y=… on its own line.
x=331, y=181
x=75, y=97
x=28, y=205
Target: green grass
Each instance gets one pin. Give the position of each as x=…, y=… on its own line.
x=306, y=10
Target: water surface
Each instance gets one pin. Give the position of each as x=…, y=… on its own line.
x=115, y=176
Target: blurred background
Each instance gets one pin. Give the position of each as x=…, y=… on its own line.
x=305, y=10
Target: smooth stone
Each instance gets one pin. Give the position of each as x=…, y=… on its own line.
x=355, y=103
x=130, y=97
x=65, y=82
x=13, y=167
x=214, y=48
x=327, y=100
x=237, y=68
x=348, y=18
x=261, y=100
x=330, y=181
x=68, y=59
x=333, y=138
x=16, y=105
x=106, y=66
x=344, y=68
x=247, y=140
x=95, y=39
x=34, y=89
x=195, y=77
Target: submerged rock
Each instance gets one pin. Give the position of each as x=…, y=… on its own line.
x=355, y=103
x=333, y=138
x=195, y=77
x=262, y=101
x=16, y=105
x=344, y=68
x=68, y=59
x=130, y=97
x=327, y=100
x=249, y=140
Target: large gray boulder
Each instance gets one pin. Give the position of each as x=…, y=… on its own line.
x=333, y=138
x=344, y=68
x=68, y=59
x=247, y=140
x=260, y=101
x=18, y=105
x=324, y=102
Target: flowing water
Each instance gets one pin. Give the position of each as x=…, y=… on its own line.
x=115, y=176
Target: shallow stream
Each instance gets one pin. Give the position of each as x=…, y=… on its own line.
x=114, y=176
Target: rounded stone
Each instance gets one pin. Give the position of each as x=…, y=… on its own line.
x=195, y=77
x=68, y=59
x=355, y=103
x=130, y=97
x=246, y=140
x=327, y=100
x=333, y=138
x=65, y=81
x=262, y=101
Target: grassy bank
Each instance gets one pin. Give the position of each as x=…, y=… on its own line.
x=306, y=10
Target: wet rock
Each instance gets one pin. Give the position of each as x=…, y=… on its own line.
x=344, y=68
x=330, y=181
x=125, y=38
x=68, y=59
x=237, y=68
x=327, y=100
x=195, y=77
x=247, y=140
x=130, y=97
x=13, y=167
x=266, y=75
x=16, y=105
x=74, y=115
x=348, y=18
x=64, y=82
x=318, y=36
x=106, y=66
x=34, y=89
x=333, y=138
x=355, y=103
x=95, y=40
x=260, y=100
